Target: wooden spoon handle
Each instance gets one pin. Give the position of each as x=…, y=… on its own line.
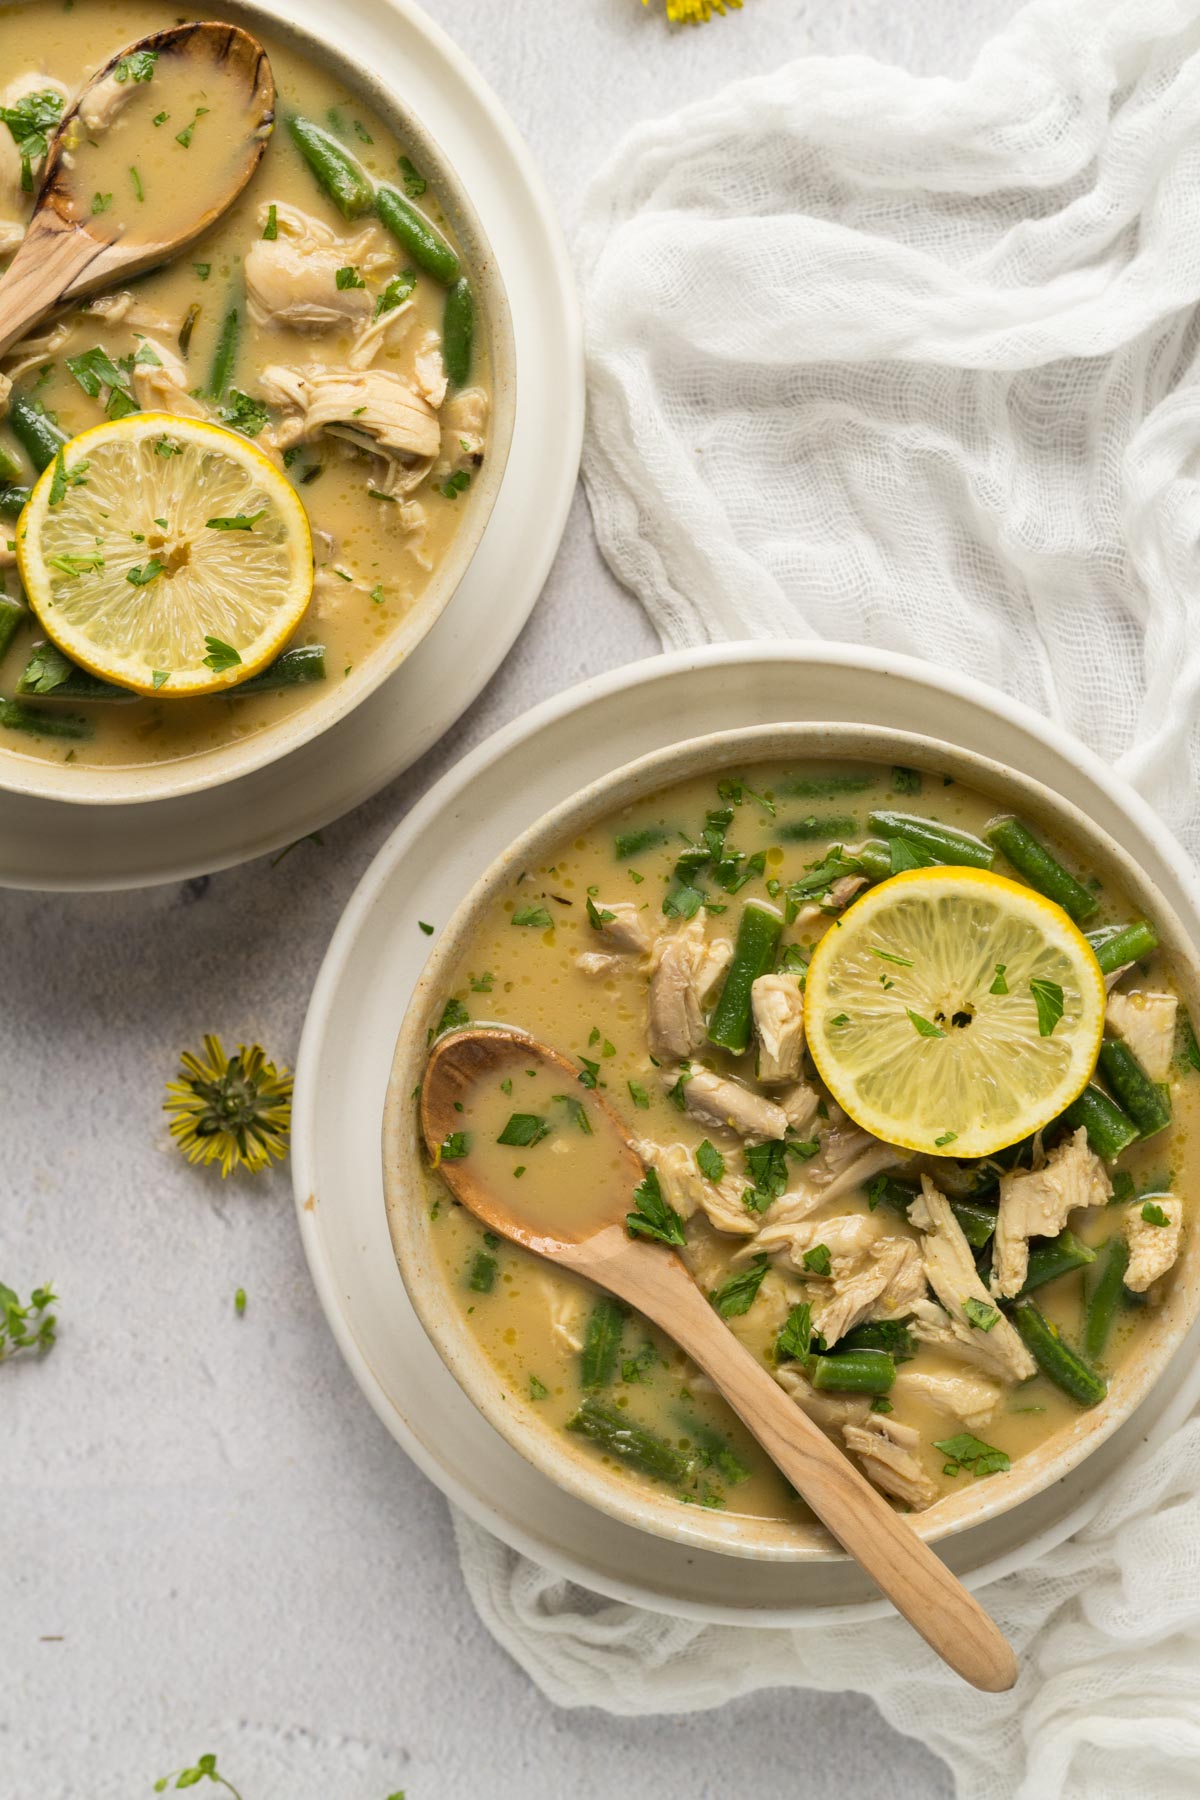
x=53, y=257
x=914, y=1579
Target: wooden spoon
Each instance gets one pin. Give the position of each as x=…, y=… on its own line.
x=651, y=1278
x=67, y=251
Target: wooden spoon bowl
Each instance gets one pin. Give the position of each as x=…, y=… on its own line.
x=67, y=251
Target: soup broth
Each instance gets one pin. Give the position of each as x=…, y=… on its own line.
x=572, y=953
x=316, y=295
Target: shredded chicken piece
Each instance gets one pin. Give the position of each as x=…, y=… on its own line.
x=951, y=1273
x=374, y=409
x=885, y=1287
x=777, y=1007
x=102, y=103
x=971, y=1399
x=124, y=308
x=886, y=1450
x=464, y=426
x=566, y=1308
x=848, y=1158
x=687, y=1190
x=728, y=1106
x=846, y=1236
x=844, y=889
x=684, y=969
x=1145, y=1024
x=1152, y=1248
x=1038, y=1202
x=31, y=352
x=429, y=371
x=622, y=937
x=800, y=1103
x=830, y=1411
x=12, y=198
x=291, y=279
x=163, y=386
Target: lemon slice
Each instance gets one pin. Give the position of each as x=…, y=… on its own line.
x=167, y=555
x=953, y=1011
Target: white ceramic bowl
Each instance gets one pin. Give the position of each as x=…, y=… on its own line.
x=561, y=1458
x=30, y=776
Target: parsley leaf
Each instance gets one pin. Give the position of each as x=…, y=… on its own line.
x=924, y=1027
x=536, y=916
x=524, y=1130
x=1153, y=1214
x=709, y=1161
x=236, y=521
x=32, y=122
x=653, y=1218
x=737, y=1295
x=31, y=1327
x=1048, y=998
x=454, y=1147
x=138, y=66
x=818, y=1260
x=795, y=1340
x=967, y=1452
x=980, y=1314
x=639, y=1096
x=220, y=656
x=999, y=985
x=598, y=917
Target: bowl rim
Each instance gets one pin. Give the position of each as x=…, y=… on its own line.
x=561, y=1460
x=124, y=785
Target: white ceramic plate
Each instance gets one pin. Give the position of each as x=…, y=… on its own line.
x=345, y=1055
x=44, y=844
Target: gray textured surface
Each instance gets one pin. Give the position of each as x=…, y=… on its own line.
x=209, y=1541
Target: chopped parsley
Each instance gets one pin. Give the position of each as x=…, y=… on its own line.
x=236, y=521
x=967, y=1452
x=818, y=1260
x=524, y=1130
x=709, y=1161
x=737, y=1295
x=220, y=656
x=980, y=1314
x=652, y=1217
x=1048, y=998
x=537, y=916
x=924, y=1027
x=1153, y=1214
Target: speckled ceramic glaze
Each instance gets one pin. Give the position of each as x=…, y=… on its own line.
x=557, y=1455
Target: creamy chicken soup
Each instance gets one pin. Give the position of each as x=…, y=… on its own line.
x=939, y=1318
x=328, y=317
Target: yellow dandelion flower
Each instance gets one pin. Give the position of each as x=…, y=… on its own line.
x=235, y=1110
x=697, y=12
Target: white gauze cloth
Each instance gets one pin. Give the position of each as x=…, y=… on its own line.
x=909, y=362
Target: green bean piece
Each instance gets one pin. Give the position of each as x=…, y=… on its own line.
x=1106, y=1296
x=225, y=356
x=959, y=849
x=976, y=1222
x=614, y=1431
x=758, y=937
x=1056, y=1359
x=458, y=332
x=291, y=668
x=342, y=178
x=891, y=1335
x=853, y=1372
x=1148, y=1105
x=1034, y=863
x=875, y=859
x=10, y=465
x=188, y=326
x=602, y=1342
x=715, y=1449
x=421, y=239
x=16, y=717
x=805, y=831
x=13, y=500
x=52, y=676
x=1051, y=1257
x=1109, y=1130
x=34, y=429
x=1117, y=945
x=12, y=617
